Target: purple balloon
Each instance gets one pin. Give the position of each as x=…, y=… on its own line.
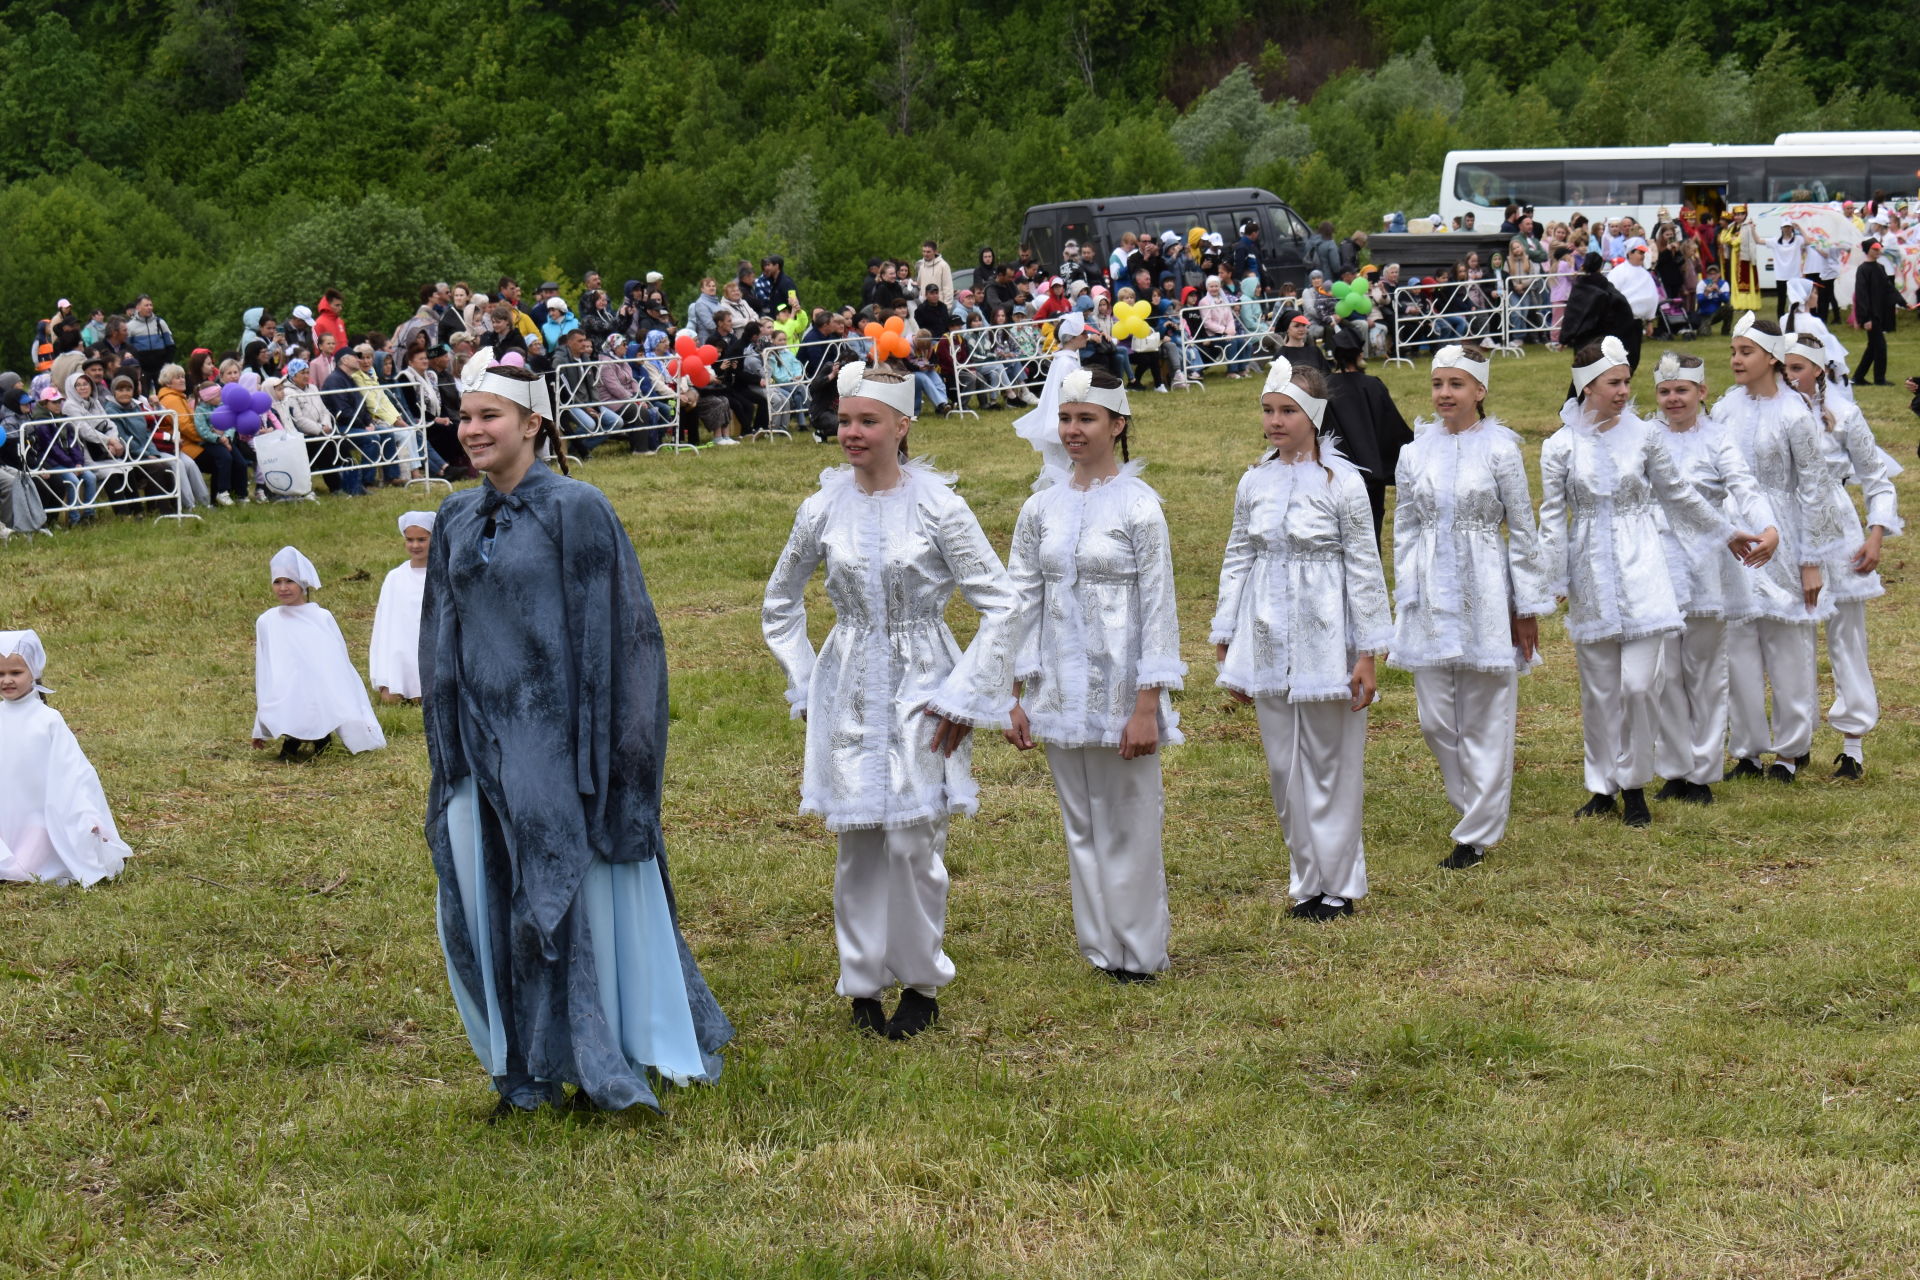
x=246, y=424
x=222, y=419
x=260, y=401
x=235, y=397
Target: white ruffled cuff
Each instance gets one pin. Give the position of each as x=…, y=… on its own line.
x=969, y=711
x=1160, y=675
x=1373, y=643
x=796, y=704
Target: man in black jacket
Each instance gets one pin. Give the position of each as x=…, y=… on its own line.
x=934, y=315
x=1878, y=305
x=352, y=423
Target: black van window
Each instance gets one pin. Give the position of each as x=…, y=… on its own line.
x=1223, y=225
x=1045, y=247
x=1080, y=233
x=1117, y=227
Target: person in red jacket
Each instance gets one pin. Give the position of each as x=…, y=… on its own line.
x=329, y=321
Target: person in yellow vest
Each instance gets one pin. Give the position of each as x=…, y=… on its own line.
x=1740, y=258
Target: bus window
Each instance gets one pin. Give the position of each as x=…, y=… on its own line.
x=1117, y=227
x=1895, y=175
x=1495, y=184
x=1080, y=233
x=1612, y=182
x=1800, y=179
x=1746, y=179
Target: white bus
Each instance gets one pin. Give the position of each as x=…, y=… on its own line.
x=1637, y=182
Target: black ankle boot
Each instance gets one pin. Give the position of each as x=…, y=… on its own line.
x=1462, y=857
x=1598, y=807
x=1636, y=813
x=1673, y=790
x=290, y=750
x=1845, y=766
x=1779, y=772
x=1743, y=769
x=914, y=1014
x=321, y=746
x=870, y=1015
x=1698, y=793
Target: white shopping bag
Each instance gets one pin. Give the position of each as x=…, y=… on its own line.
x=282, y=457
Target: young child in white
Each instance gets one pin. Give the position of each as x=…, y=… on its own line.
x=1303, y=614
x=1469, y=599
x=1853, y=457
x=1094, y=643
x=1712, y=586
x=1607, y=484
x=305, y=685
x=55, y=825
x=393, y=656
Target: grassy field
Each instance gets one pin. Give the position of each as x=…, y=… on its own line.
x=1682, y=1052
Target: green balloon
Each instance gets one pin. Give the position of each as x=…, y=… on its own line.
x=1363, y=305
x=1344, y=308
x=1340, y=289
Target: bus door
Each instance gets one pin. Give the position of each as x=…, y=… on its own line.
x=1702, y=183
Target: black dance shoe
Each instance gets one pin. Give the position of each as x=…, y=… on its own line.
x=321, y=746
x=1845, y=766
x=914, y=1014
x=1636, y=813
x=870, y=1015
x=1698, y=793
x=1743, y=769
x=1778, y=772
x=1673, y=790
x=1324, y=913
x=1462, y=857
x=1598, y=807
x=290, y=749
x=1303, y=909
x=1126, y=977
x=1802, y=760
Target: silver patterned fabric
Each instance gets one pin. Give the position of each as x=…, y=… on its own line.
x=1853, y=457
x=1093, y=614
x=1458, y=582
x=893, y=560
x=1302, y=594
x=1710, y=585
x=1780, y=443
x=1603, y=498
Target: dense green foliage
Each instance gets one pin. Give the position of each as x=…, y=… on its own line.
x=220, y=153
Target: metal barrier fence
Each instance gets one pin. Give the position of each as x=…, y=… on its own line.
x=657, y=408
x=396, y=444
x=143, y=475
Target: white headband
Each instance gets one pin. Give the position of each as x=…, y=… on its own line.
x=1280, y=383
x=1071, y=325
x=1671, y=370
x=416, y=520
x=897, y=396
x=1454, y=356
x=1773, y=344
x=289, y=563
x=1613, y=355
x=1077, y=388
x=26, y=645
x=479, y=375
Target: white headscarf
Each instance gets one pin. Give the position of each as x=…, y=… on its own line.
x=416, y=520
x=26, y=644
x=289, y=563
x=1280, y=382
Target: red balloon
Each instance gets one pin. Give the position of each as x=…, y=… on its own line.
x=684, y=344
x=696, y=370
x=708, y=352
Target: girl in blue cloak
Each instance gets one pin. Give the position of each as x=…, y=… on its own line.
x=544, y=679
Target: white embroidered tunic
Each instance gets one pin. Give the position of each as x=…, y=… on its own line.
x=1302, y=594
x=1780, y=443
x=1604, y=496
x=1854, y=457
x=893, y=560
x=1093, y=615
x=1710, y=582
x=1458, y=583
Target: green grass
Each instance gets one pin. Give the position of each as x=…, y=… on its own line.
x=1683, y=1052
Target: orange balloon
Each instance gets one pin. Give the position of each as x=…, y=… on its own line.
x=895, y=324
x=873, y=332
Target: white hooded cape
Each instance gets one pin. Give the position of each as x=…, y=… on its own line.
x=51, y=802
x=393, y=658
x=304, y=682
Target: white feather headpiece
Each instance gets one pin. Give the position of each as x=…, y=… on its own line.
x=897, y=396
x=1671, y=370
x=1077, y=388
x=478, y=376
x=1774, y=345
x=1280, y=383
x=1454, y=356
x=1613, y=355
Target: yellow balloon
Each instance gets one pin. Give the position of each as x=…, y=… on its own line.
x=1131, y=310
x=1131, y=328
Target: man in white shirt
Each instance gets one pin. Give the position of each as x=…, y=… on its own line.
x=1789, y=262
x=932, y=269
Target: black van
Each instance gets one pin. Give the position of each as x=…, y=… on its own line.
x=1283, y=236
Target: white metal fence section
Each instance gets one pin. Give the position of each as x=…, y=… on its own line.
x=142, y=476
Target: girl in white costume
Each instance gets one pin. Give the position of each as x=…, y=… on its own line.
x=1303, y=613
x=1094, y=646
x=55, y=824
x=393, y=655
x=1774, y=644
x=1712, y=587
x=305, y=684
x=1468, y=600
x=1606, y=482
x=881, y=768
x=1853, y=457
